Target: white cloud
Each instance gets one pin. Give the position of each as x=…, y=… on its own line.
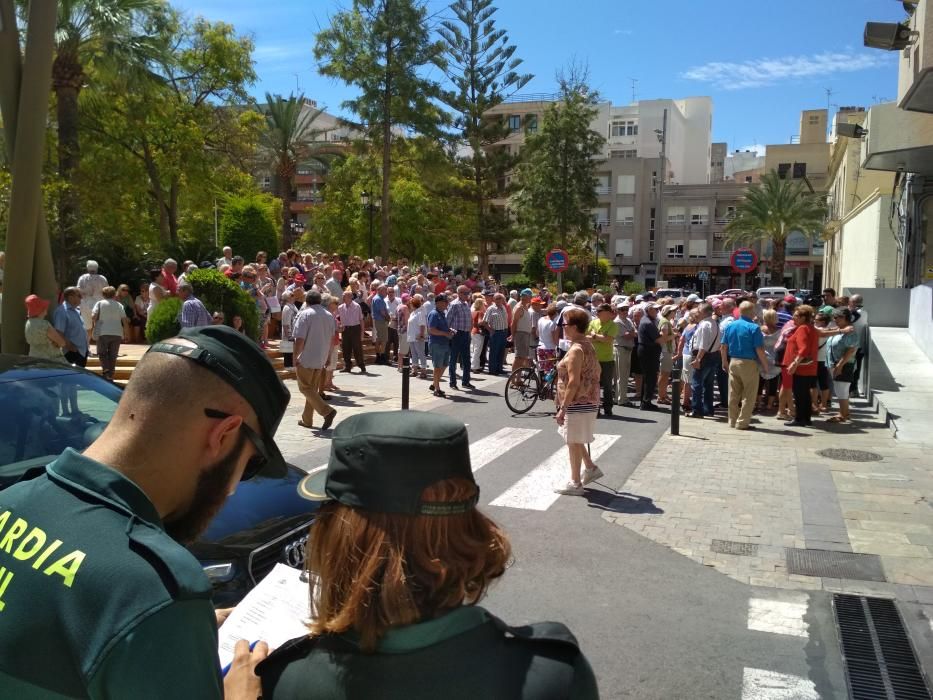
x=622, y=32
x=283, y=53
x=758, y=148
x=768, y=71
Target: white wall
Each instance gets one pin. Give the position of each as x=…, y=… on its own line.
x=868, y=250
x=920, y=325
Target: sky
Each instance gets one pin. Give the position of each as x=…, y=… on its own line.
x=761, y=61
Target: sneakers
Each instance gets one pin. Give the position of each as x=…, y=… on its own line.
x=570, y=489
x=592, y=474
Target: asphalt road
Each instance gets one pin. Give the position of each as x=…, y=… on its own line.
x=654, y=624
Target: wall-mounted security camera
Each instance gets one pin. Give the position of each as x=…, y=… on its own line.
x=887, y=35
x=851, y=131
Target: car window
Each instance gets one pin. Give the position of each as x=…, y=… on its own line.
x=37, y=422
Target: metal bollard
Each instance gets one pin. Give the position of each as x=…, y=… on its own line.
x=406, y=376
x=677, y=376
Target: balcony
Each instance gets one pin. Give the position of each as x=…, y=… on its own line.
x=720, y=255
x=603, y=190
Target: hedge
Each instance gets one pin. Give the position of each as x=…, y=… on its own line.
x=248, y=226
x=218, y=293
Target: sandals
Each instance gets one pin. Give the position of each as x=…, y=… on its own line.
x=837, y=419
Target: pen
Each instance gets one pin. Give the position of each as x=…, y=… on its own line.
x=225, y=669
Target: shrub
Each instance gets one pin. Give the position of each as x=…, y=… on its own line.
x=630, y=288
x=518, y=282
x=570, y=287
x=163, y=321
x=248, y=226
x=220, y=293
x=217, y=292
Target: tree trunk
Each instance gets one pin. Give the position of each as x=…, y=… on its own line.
x=777, y=261
x=66, y=93
x=173, y=211
x=285, y=193
x=480, y=218
x=386, y=153
x=158, y=194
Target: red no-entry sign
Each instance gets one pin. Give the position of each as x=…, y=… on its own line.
x=558, y=260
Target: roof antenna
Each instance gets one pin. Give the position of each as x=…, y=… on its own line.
x=634, y=83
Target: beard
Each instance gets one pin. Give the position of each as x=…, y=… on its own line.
x=210, y=494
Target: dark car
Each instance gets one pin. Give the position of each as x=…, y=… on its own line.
x=263, y=523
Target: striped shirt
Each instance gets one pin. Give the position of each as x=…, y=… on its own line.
x=350, y=314
x=497, y=317
x=459, y=317
x=194, y=314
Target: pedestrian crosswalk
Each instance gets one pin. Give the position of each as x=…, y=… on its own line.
x=535, y=489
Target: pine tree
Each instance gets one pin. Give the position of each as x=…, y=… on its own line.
x=381, y=47
x=483, y=71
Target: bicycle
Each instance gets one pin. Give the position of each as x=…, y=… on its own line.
x=526, y=385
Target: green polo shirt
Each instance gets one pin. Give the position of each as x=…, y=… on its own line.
x=462, y=655
x=96, y=600
x=604, y=352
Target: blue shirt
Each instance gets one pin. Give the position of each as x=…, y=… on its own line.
x=742, y=337
x=68, y=322
x=782, y=318
x=380, y=308
x=838, y=345
x=438, y=321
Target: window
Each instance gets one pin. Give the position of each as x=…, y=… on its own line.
x=624, y=128
x=600, y=216
x=814, y=119
x=625, y=216
x=624, y=247
x=267, y=182
x=531, y=124
x=748, y=178
x=675, y=249
x=699, y=216
x=602, y=184
x=800, y=170
x=515, y=123
x=625, y=184
x=628, y=153
x=676, y=215
x=783, y=169
x=698, y=249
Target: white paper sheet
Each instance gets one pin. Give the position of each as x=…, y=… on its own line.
x=275, y=611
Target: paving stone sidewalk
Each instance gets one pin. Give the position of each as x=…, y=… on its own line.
x=735, y=500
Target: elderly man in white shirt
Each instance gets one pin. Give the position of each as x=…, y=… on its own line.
x=92, y=286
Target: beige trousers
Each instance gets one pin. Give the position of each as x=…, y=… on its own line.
x=309, y=384
x=743, y=390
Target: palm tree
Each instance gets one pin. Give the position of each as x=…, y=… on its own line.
x=88, y=30
x=771, y=211
x=290, y=139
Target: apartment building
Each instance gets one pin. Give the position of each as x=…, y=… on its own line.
x=743, y=166
x=860, y=235
x=628, y=177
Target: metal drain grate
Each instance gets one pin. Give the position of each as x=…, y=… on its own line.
x=880, y=661
x=849, y=455
x=739, y=549
x=829, y=564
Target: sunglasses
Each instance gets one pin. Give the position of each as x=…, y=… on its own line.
x=259, y=460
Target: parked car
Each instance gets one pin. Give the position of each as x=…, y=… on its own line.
x=772, y=293
x=673, y=293
x=733, y=294
x=263, y=523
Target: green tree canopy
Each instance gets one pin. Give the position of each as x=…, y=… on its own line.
x=556, y=188
x=772, y=210
x=248, y=224
x=382, y=48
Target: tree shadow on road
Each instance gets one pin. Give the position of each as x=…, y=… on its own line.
x=621, y=502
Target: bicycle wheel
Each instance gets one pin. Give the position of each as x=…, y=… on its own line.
x=522, y=389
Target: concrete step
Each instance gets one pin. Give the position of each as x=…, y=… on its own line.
x=93, y=362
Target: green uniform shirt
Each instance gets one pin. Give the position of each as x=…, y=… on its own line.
x=463, y=655
x=96, y=600
x=603, y=349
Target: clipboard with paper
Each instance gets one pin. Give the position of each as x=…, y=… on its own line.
x=275, y=611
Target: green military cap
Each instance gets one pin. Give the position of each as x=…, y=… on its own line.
x=240, y=362
x=383, y=461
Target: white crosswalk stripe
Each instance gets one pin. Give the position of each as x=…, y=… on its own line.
x=759, y=684
x=535, y=491
x=781, y=616
x=485, y=450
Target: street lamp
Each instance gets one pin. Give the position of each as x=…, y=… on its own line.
x=369, y=206
x=597, y=230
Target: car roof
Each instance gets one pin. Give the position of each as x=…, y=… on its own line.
x=16, y=367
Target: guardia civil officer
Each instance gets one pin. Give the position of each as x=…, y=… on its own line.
x=399, y=557
x=98, y=597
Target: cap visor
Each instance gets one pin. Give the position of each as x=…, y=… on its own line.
x=275, y=467
x=312, y=486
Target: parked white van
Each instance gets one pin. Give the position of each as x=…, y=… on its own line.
x=772, y=292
